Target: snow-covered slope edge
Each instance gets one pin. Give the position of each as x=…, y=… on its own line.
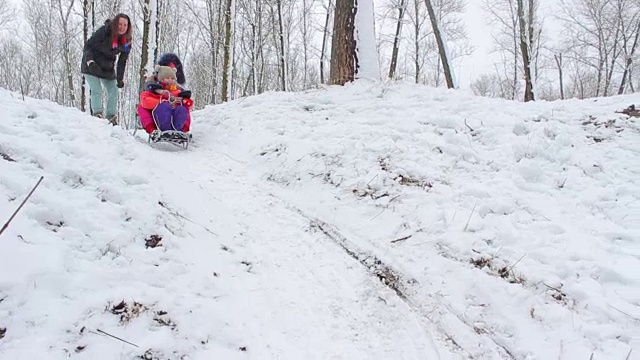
x=517, y=223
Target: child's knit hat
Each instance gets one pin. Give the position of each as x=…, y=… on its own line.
x=165, y=72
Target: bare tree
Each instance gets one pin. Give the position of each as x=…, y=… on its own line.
x=592, y=35
x=307, y=6
x=228, y=51
x=149, y=39
x=7, y=14
x=518, y=38
x=525, y=22
x=45, y=45
x=280, y=44
x=402, y=7
x=558, y=58
x=325, y=36
x=422, y=59
x=628, y=14
x=67, y=39
x=87, y=10
x=504, y=19
x=418, y=19
x=442, y=45
x=211, y=29
x=486, y=85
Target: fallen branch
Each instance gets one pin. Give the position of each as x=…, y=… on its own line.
x=401, y=239
x=115, y=337
x=5, y=226
x=630, y=111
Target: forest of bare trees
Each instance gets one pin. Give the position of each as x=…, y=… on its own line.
x=236, y=48
x=594, y=52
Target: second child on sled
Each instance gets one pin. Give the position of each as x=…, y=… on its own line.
x=165, y=108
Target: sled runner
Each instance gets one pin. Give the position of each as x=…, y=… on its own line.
x=170, y=136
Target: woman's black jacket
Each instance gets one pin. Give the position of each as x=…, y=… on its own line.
x=99, y=48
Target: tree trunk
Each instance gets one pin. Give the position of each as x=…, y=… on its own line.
x=325, y=35
x=417, y=40
x=305, y=44
x=283, y=60
x=396, y=39
x=442, y=50
x=629, y=61
x=157, y=32
x=559, y=63
x=213, y=47
x=226, y=66
x=254, y=59
x=614, y=56
x=257, y=48
x=524, y=50
x=261, y=73
x=85, y=36
x=146, y=29
x=67, y=51
x=343, y=45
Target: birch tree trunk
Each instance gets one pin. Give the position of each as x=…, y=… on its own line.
x=416, y=31
x=226, y=66
x=524, y=50
x=282, y=49
x=325, y=36
x=149, y=40
x=87, y=9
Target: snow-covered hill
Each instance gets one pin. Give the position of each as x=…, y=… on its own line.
x=360, y=222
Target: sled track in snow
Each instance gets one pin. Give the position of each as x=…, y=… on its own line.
x=452, y=328
x=394, y=280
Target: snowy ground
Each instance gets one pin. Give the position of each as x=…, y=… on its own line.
x=364, y=222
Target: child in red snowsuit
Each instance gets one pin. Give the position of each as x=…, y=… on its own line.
x=165, y=106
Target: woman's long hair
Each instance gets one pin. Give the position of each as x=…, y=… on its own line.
x=113, y=26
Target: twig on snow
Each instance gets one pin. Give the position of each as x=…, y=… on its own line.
x=552, y=288
x=5, y=226
x=465, y=122
x=378, y=214
x=469, y=219
x=177, y=214
x=516, y=263
x=473, y=132
x=115, y=337
x=622, y=312
x=401, y=239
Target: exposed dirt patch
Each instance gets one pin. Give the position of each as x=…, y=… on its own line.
x=153, y=241
x=125, y=311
